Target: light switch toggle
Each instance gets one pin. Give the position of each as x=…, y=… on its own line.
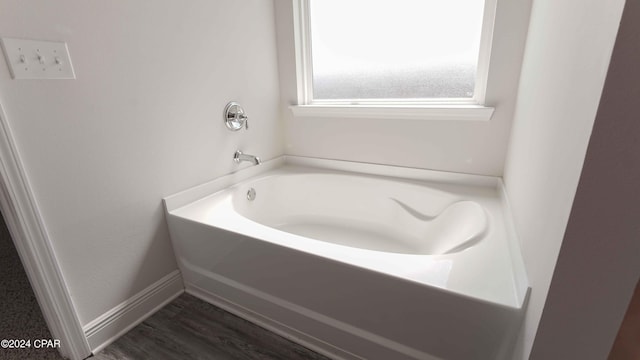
x=35, y=59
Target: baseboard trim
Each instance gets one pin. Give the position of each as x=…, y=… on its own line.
x=109, y=326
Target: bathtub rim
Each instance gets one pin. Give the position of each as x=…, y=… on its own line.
x=185, y=197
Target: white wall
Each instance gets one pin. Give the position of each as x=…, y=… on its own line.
x=142, y=120
x=599, y=262
x=567, y=54
x=460, y=146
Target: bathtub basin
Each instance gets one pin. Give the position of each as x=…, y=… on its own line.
x=356, y=260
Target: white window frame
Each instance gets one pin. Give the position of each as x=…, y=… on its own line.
x=436, y=109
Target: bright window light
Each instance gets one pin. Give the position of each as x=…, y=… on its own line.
x=394, y=49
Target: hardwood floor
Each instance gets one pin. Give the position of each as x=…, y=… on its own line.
x=189, y=328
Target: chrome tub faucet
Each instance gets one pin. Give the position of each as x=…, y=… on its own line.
x=239, y=157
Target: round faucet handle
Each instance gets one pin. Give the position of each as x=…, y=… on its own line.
x=235, y=117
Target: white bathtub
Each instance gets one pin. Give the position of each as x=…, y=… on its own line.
x=381, y=263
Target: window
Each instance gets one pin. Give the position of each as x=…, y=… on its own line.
x=393, y=53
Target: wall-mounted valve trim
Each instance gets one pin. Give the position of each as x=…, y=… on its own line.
x=234, y=117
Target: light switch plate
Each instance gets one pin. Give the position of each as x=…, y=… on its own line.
x=34, y=59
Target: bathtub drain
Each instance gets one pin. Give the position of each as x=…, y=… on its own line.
x=251, y=194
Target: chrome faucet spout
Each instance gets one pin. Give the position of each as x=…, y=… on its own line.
x=239, y=157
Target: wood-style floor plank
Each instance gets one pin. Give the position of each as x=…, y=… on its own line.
x=189, y=328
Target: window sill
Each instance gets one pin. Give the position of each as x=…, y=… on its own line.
x=409, y=112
